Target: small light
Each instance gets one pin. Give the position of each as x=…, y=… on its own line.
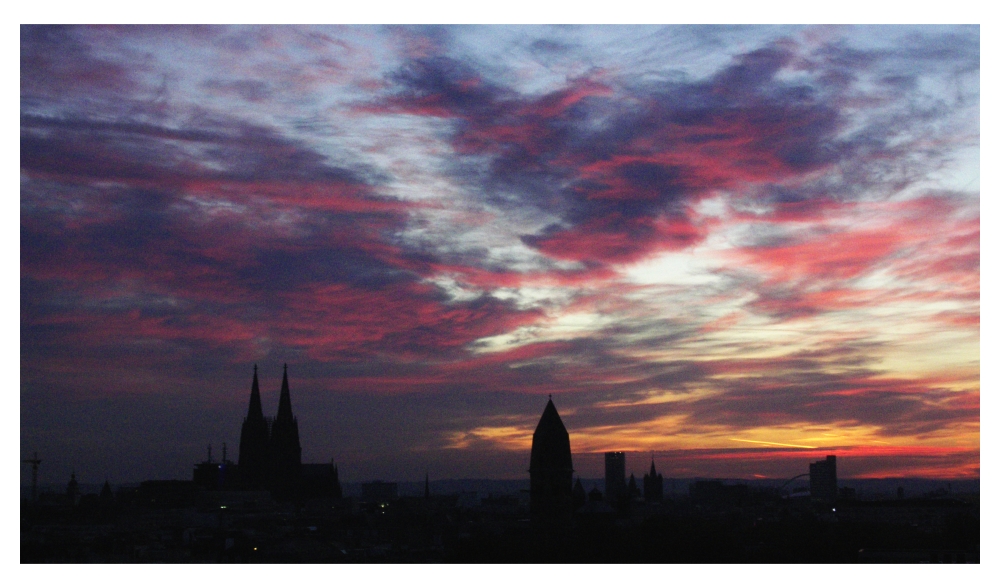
x=255, y=549
x=222, y=507
x=834, y=510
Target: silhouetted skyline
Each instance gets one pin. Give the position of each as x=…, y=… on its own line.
x=739, y=248
x=271, y=508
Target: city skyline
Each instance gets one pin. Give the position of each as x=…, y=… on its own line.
x=741, y=248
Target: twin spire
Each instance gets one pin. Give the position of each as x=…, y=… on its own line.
x=270, y=453
x=256, y=409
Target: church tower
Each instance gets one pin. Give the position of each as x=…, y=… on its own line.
x=286, y=453
x=255, y=459
x=551, y=468
x=652, y=484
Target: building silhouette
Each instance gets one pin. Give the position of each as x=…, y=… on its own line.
x=255, y=443
x=379, y=491
x=633, y=488
x=716, y=494
x=212, y=475
x=652, y=484
x=270, y=454
x=595, y=495
x=551, y=468
x=73, y=490
x=614, y=476
x=823, y=480
x=317, y=480
x=106, y=498
x=286, y=453
x=579, y=495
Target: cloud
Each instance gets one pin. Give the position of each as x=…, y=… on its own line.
x=696, y=235
x=251, y=235
x=56, y=62
x=621, y=166
x=249, y=90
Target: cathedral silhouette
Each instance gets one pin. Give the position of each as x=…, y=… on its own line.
x=270, y=455
x=270, y=459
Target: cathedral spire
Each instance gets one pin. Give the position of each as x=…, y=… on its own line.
x=286, y=453
x=254, y=459
x=256, y=410
x=652, y=483
x=285, y=400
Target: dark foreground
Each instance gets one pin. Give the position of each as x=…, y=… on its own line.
x=174, y=523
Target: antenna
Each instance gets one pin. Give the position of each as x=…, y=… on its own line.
x=34, y=476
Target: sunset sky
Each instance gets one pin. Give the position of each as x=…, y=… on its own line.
x=741, y=248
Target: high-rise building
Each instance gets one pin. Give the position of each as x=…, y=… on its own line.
x=823, y=479
x=551, y=468
x=614, y=476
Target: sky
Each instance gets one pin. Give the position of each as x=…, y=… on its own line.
x=736, y=249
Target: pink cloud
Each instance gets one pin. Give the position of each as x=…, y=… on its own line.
x=617, y=239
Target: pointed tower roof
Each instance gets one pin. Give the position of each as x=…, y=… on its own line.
x=256, y=410
x=286, y=451
x=652, y=468
x=285, y=400
x=253, y=458
x=550, y=444
x=337, y=491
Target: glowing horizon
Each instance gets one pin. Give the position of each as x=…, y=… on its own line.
x=727, y=245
